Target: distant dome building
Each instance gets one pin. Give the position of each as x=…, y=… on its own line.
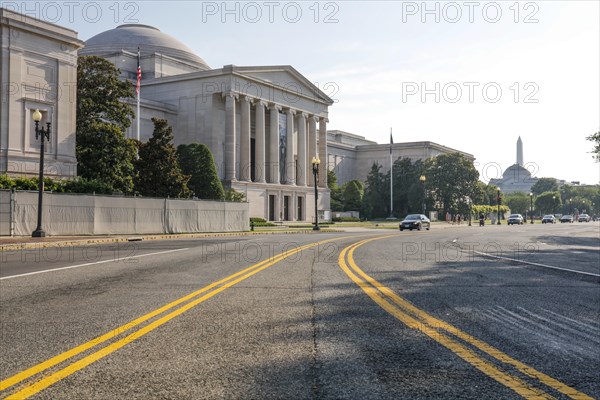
x=515, y=178
x=162, y=54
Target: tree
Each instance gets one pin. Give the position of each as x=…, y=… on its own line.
x=100, y=92
x=106, y=155
x=548, y=202
x=518, y=202
x=197, y=161
x=353, y=195
x=235, y=196
x=336, y=194
x=374, y=200
x=544, y=185
x=595, y=139
x=157, y=170
x=451, y=178
x=103, y=151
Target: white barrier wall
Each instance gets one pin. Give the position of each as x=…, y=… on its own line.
x=70, y=214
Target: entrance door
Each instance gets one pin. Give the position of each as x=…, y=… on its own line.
x=271, y=207
x=300, y=208
x=286, y=208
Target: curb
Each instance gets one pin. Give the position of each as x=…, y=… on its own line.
x=92, y=241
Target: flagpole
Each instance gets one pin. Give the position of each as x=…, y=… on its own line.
x=391, y=178
x=139, y=73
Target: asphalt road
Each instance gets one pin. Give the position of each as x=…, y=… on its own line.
x=455, y=312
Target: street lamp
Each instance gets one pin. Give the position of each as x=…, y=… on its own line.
x=423, y=178
x=470, y=203
x=498, y=199
x=531, y=206
x=315, y=165
x=40, y=133
x=571, y=206
x=553, y=204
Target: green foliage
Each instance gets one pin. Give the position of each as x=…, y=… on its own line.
x=518, y=202
x=256, y=221
x=374, y=200
x=235, y=196
x=104, y=154
x=197, y=161
x=331, y=180
x=353, y=195
x=157, y=169
x=595, y=139
x=451, y=178
x=544, y=185
x=345, y=219
x=488, y=210
x=6, y=182
x=548, y=202
x=76, y=185
x=100, y=93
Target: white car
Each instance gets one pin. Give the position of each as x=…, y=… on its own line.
x=584, y=218
x=515, y=219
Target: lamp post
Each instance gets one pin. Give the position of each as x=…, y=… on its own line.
x=40, y=133
x=571, y=206
x=423, y=178
x=498, y=199
x=470, y=204
x=531, y=206
x=553, y=204
x=315, y=166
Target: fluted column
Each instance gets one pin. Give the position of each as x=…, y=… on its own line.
x=230, y=156
x=323, y=152
x=245, y=139
x=259, y=143
x=290, y=165
x=274, y=144
x=312, y=147
x=302, y=163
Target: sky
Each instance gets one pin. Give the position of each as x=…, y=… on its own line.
x=470, y=75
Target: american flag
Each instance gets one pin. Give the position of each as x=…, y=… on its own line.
x=139, y=76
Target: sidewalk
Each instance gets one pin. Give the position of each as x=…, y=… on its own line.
x=27, y=242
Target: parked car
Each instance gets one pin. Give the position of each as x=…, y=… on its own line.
x=515, y=219
x=415, y=221
x=584, y=218
x=566, y=218
x=548, y=219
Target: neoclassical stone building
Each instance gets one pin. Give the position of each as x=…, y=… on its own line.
x=351, y=156
x=263, y=124
x=38, y=70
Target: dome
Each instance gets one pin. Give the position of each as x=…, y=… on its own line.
x=517, y=172
x=147, y=38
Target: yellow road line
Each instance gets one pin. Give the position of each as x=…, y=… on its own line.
x=51, y=379
x=426, y=322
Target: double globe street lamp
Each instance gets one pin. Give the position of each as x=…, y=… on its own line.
x=315, y=169
x=531, y=206
x=423, y=178
x=40, y=133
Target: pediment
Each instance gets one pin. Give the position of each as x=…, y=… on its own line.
x=284, y=77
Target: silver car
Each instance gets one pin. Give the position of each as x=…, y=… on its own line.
x=515, y=219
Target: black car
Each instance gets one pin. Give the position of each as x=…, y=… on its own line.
x=566, y=218
x=415, y=221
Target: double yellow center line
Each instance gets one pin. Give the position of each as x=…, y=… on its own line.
x=457, y=341
x=196, y=298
